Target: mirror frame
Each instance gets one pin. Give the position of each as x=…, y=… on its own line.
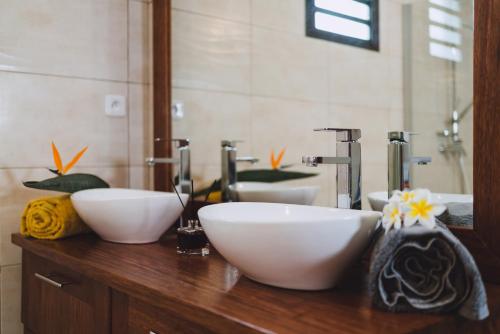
x=483, y=240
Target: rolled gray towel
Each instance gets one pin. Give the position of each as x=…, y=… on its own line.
x=458, y=214
x=417, y=269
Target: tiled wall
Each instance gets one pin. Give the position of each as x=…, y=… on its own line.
x=245, y=70
x=430, y=82
x=58, y=60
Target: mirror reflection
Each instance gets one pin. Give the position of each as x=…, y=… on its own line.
x=267, y=73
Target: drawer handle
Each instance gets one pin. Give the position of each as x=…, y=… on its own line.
x=51, y=281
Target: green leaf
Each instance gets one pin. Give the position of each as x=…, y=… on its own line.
x=271, y=175
x=259, y=175
x=70, y=183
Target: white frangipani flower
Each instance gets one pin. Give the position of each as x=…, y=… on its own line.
x=405, y=196
x=420, y=209
x=392, y=216
x=410, y=207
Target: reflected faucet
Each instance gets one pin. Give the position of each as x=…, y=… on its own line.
x=184, y=162
x=400, y=160
x=229, y=177
x=348, y=161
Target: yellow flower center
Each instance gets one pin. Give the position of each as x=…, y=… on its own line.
x=394, y=214
x=407, y=196
x=421, y=208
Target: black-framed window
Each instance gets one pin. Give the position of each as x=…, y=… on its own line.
x=353, y=22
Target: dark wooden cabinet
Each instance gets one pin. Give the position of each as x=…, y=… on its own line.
x=56, y=300
x=84, y=285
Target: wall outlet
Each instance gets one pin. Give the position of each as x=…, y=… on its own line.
x=178, y=110
x=114, y=106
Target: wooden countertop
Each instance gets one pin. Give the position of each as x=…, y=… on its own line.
x=213, y=290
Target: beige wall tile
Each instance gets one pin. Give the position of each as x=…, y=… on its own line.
x=86, y=39
x=140, y=41
x=140, y=124
x=209, y=118
x=360, y=77
x=288, y=66
x=236, y=10
x=374, y=125
x=391, y=28
x=10, y=284
x=281, y=123
x=284, y=15
x=37, y=109
x=140, y=178
x=210, y=53
x=374, y=178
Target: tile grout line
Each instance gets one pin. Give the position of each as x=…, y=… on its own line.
x=62, y=76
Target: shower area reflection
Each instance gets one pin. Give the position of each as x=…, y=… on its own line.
x=437, y=74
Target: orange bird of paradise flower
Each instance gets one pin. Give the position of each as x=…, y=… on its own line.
x=61, y=170
x=276, y=162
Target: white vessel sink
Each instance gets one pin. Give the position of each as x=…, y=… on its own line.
x=275, y=193
x=379, y=199
x=126, y=215
x=289, y=246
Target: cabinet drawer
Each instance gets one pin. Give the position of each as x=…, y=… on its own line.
x=58, y=300
x=146, y=319
x=136, y=316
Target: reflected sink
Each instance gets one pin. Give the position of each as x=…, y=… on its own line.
x=275, y=193
x=379, y=199
x=127, y=215
x=289, y=246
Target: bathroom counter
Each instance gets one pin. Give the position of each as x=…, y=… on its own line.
x=206, y=294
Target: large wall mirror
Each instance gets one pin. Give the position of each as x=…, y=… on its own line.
x=268, y=72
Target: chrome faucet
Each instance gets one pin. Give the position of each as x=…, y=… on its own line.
x=229, y=177
x=400, y=160
x=184, y=162
x=348, y=161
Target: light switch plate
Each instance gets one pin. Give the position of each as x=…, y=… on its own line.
x=114, y=106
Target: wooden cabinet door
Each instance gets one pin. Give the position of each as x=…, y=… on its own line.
x=56, y=300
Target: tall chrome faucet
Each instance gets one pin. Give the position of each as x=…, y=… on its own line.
x=400, y=160
x=229, y=177
x=184, y=162
x=348, y=161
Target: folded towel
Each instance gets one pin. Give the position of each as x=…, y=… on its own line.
x=417, y=269
x=458, y=214
x=51, y=218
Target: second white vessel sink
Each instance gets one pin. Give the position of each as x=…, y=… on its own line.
x=379, y=199
x=275, y=193
x=290, y=246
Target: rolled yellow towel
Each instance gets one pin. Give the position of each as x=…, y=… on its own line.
x=51, y=218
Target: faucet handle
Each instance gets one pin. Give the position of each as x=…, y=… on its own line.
x=181, y=142
x=344, y=135
x=231, y=143
x=403, y=136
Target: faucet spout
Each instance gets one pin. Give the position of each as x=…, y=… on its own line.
x=251, y=160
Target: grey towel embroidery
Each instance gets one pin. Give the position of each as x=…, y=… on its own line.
x=417, y=269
